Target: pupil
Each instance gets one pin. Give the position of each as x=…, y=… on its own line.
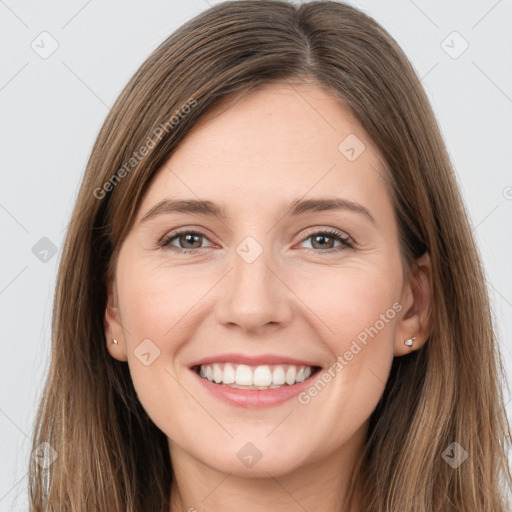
x=320, y=237
x=189, y=238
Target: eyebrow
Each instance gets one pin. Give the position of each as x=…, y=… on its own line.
x=209, y=208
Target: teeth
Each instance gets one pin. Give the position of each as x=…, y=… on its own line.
x=243, y=376
x=262, y=376
x=278, y=376
x=300, y=377
x=254, y=377
x=217, y=373
x=229, y=375
x=290, y=375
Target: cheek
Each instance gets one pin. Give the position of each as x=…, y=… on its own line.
x=156, y=300
x=354, y=303
x=154, y=305
x=359, y=313
x=365, y=317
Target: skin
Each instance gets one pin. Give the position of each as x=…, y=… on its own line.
x=252, y=156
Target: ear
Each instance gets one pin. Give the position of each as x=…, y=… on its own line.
x=113, y=326
x=417, y=306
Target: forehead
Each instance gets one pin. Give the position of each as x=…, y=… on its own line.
x=277, y=143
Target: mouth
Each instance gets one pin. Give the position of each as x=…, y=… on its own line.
x=254, y=381
x=256, y=378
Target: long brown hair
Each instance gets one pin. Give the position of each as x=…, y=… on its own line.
x=110, y=455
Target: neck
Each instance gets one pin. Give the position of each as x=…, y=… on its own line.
x=320, y=486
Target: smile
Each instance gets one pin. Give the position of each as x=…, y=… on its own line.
x=254, y=381
x=262, y=377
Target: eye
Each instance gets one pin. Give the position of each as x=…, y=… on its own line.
x=188, y=238
x=324, y=240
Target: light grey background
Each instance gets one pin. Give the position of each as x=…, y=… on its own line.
x=53, y=107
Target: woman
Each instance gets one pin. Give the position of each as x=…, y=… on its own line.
x=250, y=371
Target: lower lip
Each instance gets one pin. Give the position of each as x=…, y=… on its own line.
x=254, y=398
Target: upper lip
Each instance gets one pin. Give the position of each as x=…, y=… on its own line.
x=256, y=360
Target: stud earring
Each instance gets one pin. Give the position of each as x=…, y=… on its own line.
x=114, y=342
x=410, y=341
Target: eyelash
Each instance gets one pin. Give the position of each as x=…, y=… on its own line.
x=332, y=233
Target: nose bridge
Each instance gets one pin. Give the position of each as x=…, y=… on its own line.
x=254, y=296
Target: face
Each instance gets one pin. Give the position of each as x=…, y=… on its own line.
x=260, y=340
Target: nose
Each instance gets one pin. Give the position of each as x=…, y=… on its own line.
x=254, y=296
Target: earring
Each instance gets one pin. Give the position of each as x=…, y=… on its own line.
x=410, y=341
x=114, y=342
